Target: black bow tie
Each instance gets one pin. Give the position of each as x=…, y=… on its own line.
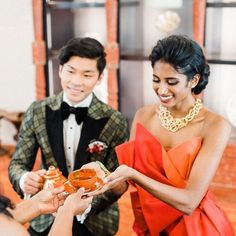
x=80, y=112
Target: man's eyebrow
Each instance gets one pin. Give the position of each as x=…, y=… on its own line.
x=88, y=71
x=85, y=71
x=70, y=66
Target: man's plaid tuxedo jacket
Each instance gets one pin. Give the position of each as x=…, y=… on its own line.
x=42, y=128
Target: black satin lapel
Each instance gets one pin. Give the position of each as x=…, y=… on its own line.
x=90, y=131
x=54, y=125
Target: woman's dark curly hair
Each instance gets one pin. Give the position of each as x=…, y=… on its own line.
x=4, y=204
x=186, y=57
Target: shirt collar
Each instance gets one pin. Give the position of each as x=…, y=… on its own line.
x=85, y=103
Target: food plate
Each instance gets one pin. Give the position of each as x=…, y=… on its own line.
x=97, y=185
x=69, y=188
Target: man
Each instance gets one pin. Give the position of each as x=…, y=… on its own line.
x=65, y=136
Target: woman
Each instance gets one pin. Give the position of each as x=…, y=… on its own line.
x=46, y=201
x=175, y=149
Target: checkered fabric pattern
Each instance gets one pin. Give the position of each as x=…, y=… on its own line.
x=104, y=217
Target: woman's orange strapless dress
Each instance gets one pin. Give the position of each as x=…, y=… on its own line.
x=171, y=167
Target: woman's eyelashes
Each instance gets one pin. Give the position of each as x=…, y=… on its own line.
x=170, y=82
x=155, y=81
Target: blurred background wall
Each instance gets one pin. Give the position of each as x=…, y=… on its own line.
x=17, y=75
x=138, y=32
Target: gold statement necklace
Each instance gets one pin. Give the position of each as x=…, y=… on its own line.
x=174, y=124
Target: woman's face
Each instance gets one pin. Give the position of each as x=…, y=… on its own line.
x=170, y=86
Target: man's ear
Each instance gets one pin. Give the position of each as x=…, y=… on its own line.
x=100, y=78
x=60, y=70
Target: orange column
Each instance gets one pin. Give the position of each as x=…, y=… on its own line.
x=199, y=18
x=112, y=50
x=39, y=49
x=199, y=15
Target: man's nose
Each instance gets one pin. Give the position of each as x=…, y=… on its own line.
x=77, y=80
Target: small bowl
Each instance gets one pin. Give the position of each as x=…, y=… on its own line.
x=69, y=188
x=83, y=178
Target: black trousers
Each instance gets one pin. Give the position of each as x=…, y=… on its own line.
x=78, y=230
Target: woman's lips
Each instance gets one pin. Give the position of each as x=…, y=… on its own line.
x=165, y=99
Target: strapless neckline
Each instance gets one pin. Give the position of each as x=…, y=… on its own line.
x=168, y=149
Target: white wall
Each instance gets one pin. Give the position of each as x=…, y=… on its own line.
x=17, y=81
x=221, y=88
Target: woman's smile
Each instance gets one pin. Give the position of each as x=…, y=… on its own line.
x=165, y=99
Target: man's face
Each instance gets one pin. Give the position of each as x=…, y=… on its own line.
x=79, y=77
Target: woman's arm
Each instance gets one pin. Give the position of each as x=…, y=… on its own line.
x=74, y=205
x=203, y=170
x=44, y=202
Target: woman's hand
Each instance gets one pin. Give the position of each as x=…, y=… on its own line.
x=95, y=166
x=116, y=181
x=121, y=174
x=76, y=203
x=49, y=200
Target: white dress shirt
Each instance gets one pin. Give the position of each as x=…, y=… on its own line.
x=72, y=132
x=71, y=137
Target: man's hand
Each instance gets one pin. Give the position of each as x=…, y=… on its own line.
x=33, y=182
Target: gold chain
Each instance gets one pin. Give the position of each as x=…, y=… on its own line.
x=174, y=124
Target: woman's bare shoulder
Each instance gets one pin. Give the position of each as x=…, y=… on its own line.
x=145, y=112
x=216, y=123
x=11, y=227
x=142, y=116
